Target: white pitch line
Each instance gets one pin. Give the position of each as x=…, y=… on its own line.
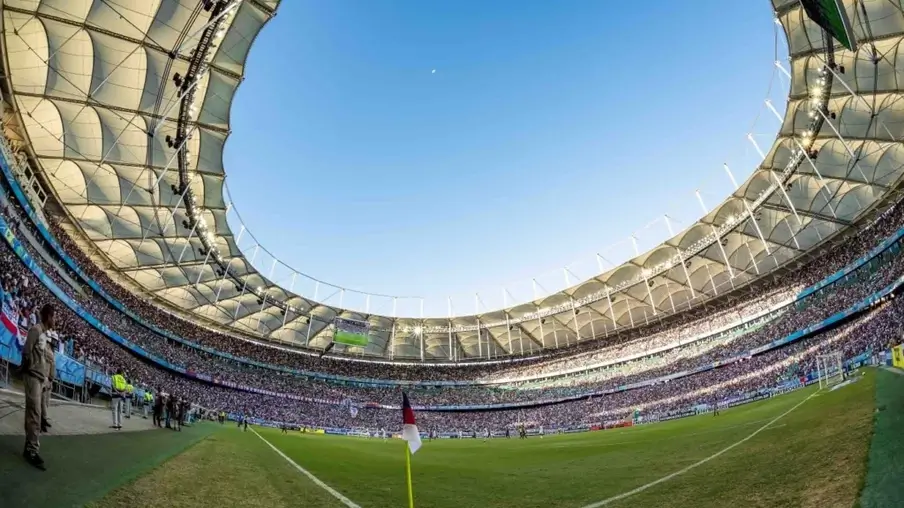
x=894, y=370
x=335, y=493
x=716, y=430
x=642, y=488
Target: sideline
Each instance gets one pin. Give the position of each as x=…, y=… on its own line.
x=335, y=493
x=680, y=472
x=893, y=370
x=716, y=430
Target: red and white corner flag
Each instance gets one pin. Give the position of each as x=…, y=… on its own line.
x=409, y=428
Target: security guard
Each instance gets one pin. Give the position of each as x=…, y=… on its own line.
x=119, y=395
x=148, y=402
x=50, y=355
x=38, y=374
x=130, y=394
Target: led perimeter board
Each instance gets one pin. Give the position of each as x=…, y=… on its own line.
x=351, y=332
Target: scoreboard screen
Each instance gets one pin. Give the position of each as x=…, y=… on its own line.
x=351, y=332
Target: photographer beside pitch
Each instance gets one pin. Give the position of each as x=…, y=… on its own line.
x=38, y=365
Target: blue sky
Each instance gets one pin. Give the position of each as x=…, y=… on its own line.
x=549, y=132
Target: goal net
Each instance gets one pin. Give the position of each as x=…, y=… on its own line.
x=830, y=369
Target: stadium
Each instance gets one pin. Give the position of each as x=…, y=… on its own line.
x=152, y=354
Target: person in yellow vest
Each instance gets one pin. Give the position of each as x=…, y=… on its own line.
x=118, y=382
x=148, y=402
x=130, y=394
x=897, y=356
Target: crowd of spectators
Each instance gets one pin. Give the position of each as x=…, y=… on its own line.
x=746, y=377
x=686, y=350
x=687, y=326
x=96, y=347
x=662, y=336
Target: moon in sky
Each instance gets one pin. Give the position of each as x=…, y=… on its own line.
x=433, y=71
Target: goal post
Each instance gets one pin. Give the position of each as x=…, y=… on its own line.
x=830, y=369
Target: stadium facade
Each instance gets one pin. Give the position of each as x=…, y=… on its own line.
x=121, y=109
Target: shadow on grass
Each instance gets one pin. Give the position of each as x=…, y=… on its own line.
x=83, y=468
x=883, y=487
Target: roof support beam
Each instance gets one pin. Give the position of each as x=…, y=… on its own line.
x=805, y=213
x=530, y=336
x=456, y=342
x=496, y=340
x=95, y=162
x=95, y=104
x=91, y=28
x=150, y=237
x=664, y=275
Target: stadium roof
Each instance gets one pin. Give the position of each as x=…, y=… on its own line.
x=100, y=91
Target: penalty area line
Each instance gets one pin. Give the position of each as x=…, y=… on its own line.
x=335, y=493
x=680, y=472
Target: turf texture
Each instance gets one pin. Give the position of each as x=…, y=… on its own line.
x=83, y=468
x=885, y=476
x=816, y=455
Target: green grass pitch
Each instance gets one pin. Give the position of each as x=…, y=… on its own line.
x=816, y=455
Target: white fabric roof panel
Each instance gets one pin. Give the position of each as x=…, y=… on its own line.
x=92, y=78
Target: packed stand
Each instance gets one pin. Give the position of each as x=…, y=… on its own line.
x=820, y=306
x=682, y=327
x=872, y=331
x=90, y=345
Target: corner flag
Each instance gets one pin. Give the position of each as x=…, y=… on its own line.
x=409, y=428
x=413, y=436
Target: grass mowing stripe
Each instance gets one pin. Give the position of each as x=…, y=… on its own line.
x=570, y=471
x=335, y=493
x=815, y=456
x=886, y=454
x=680, y=472
x=229, y=468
